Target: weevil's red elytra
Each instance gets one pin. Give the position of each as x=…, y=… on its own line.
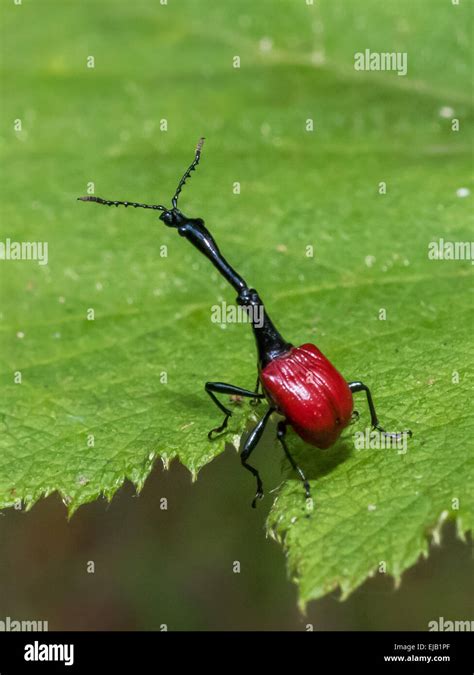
x=310, y=393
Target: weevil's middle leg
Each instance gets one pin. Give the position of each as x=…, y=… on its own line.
x=281, y=432
x=250, y=445
x=360, y=386
x=213, y=388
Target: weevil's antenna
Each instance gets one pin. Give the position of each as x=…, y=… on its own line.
x=108, y=202
x=192, y=167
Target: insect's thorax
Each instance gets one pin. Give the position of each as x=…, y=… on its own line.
x=270, y=343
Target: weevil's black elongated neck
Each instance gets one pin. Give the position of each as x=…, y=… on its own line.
x=270, y=343
x=196, y=232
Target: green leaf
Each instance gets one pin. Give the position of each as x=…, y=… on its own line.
x=100, y=400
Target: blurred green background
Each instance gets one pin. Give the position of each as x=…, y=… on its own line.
x=174, y=567
x=174, y=62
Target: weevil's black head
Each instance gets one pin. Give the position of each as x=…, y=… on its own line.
x=173, y=218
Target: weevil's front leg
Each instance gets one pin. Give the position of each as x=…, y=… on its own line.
x=213, y=388
x=281, y=432
x=256, y=400
x=360, y=386
x=250, y=445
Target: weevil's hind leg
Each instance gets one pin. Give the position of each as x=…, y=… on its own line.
x=250, y=445
x=356, y=387
x=213, y=388
x=281, y=433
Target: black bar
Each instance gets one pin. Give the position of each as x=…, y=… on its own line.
x=315, y=652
